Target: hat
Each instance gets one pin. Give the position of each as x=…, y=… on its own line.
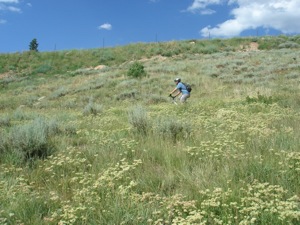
x=177, y=80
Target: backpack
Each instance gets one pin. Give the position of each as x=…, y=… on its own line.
x=188, y=87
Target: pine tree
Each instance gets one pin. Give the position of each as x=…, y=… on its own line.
x=33, y=46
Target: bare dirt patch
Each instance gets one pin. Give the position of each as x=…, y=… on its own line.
x=253, y=46
x=99, y=67
x=154, y=58
x=4, y=75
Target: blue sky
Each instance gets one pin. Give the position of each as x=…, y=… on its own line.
x=85, y=24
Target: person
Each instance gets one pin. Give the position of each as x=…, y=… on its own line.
x=180, y=89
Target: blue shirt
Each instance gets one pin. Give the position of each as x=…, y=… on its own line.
x=181, y=87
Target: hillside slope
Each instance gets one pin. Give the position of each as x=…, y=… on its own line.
x=82, y=144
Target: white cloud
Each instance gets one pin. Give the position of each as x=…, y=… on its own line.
x=105, y=26
x=281, y=15
x=5, y=5
x=200, y=6
x=207, y=11
x=13, y=9
x=10, y=6
x=9, y=1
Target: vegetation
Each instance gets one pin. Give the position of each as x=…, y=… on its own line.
x=81, y=142
x=136, y=70
x=63, y=62
x=33, y=46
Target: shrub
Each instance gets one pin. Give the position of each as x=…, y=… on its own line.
x=267, y=43
x=92, y=108
x=5, y=122
x=106, y=55
x=29, y=141
x=136, y=70
x=209, y=49
x=138, y=118
x=289, y=44
x=293, y=75
x=62, y=91
x=6, y=80
x=20, y=114
x=127, y=84
x=45, y=68
x=173, y=128
x=127, y=95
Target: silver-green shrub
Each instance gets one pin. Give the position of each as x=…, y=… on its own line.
x=138, y=118
x=28, y=141
x=5, y=121
x=289, y=44
x=62, y=91
x=173, y=128
x=92, y=108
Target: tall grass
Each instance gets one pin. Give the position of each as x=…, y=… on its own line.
x=126, y=155
x=28, y=141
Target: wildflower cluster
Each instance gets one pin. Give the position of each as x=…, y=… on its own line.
x=256, y=203
x=223, y=147
x=95, y=191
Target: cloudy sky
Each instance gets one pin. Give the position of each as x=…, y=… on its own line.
x=84, y=24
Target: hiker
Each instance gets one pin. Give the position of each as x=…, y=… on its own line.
x=181, y=89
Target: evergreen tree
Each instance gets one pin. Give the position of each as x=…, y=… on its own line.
x=33, y=46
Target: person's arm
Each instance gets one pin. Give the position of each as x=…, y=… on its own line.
x=176, y=89
x=173, y=91
x=178, y=93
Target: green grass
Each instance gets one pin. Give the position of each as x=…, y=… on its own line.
x=85, y=146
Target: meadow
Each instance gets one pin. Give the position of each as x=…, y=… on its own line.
x=81, y=142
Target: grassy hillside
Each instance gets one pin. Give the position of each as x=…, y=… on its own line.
x=61, y=62
x=83, y=143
